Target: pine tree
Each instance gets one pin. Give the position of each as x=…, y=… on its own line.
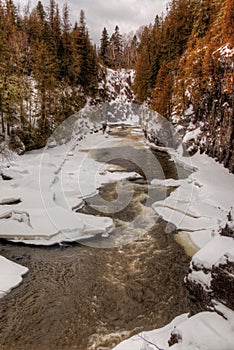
x=84, y=68
x=142, y=82
x=228, y=22
x=66, y=45
x=116, y=49
x=105, y=47
x=162, y=95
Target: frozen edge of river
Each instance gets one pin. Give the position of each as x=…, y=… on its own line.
x=36, y=206
x=11, y=275
x=198, y=208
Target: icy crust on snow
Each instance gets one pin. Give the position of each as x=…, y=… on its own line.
x=219, y=250
x=10, y=275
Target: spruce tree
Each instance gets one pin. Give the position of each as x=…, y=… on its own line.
x=116, y=49
x=84, y=68
x=142, y=83
x=105, y=47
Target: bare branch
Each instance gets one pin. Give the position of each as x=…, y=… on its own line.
x=149, y=342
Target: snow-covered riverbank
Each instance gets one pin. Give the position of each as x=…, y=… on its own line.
x=199, y=208
x=40, y=191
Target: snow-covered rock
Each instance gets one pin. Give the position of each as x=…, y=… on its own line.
x=204, y=331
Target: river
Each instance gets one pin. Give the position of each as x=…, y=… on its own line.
x=90, y=296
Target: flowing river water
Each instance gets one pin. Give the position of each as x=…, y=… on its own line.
x=91, y=296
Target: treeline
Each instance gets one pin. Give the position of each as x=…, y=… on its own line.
x=176, y=61
x=48, y=68
x=118, y=51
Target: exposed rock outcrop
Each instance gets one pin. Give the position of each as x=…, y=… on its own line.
x=208, y=125
x=211, y=278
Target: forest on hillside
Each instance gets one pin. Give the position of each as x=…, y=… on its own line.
x=49, y=68
x=178, y=53
x=185, y=71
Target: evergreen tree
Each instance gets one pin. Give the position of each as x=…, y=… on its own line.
x=162, y=95
x=142, y=83
x=116, y=49
x=85, y=68
x=65, y=45
x=105, y=47
x=228, y=22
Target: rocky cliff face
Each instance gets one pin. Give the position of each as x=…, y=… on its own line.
x=207, y=124
x=211, y=274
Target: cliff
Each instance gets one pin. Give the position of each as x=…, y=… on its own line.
x=209, y=113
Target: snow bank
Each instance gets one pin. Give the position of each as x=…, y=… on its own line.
x=145, y=340
x=204, y=331
x=200, y=204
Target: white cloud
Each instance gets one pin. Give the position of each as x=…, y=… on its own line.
x=127, y=14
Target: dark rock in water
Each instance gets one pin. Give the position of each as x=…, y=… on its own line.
x=6, y=177
x=201, y=298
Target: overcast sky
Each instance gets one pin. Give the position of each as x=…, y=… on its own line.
x=128, y=14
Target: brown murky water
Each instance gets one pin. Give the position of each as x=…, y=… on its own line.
x=88, y=298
